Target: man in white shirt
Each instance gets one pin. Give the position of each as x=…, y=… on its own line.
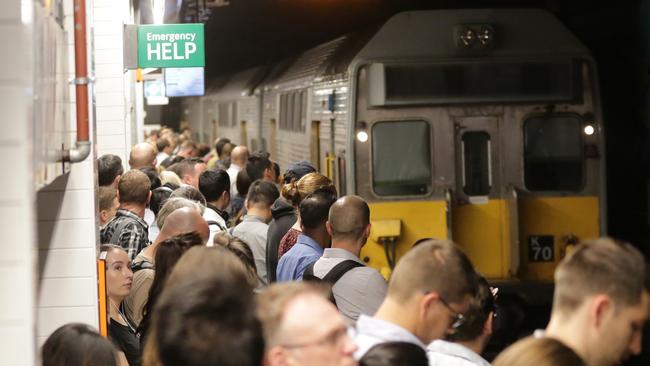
x=464, y=345
x=428, y=293
x=362, y=289
x=238, y=159
x=214, y=184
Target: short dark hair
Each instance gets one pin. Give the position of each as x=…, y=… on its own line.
x=162, y=143
x=78, y=344
x=256, y=166
x=158, y=198
x=134, y=187
x=243, y=183
x=171, y=161
x=314, y=209
x=108, y=167
x=262, y=192
x=105, y=196
x=208, y=322
x=153, y=176
x=480, y=307
x=395, y=353
x=213, y=182
x=185, y=166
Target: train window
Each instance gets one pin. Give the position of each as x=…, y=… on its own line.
x=293, y=111
x=401, y=158
x=224, y=114
x=477, y=168
x=531, y=81
x=553, y=151
x=297, y=107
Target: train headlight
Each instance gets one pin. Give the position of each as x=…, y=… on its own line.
x=589, y=130
x=362, y=136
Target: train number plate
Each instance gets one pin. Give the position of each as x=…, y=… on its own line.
x=541, y=248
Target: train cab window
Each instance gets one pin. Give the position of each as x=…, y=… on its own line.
x=553, y=151
x=477, y=179
x=401, y=158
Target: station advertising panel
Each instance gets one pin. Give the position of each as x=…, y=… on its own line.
x=184, y=81
x=171, y=45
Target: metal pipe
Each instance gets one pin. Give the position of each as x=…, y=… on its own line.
x=82, y=146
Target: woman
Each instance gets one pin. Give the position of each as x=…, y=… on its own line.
x=295, y=192
x=77, y=344
x=119, y=278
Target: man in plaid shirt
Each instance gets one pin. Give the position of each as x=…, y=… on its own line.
x=128, y=228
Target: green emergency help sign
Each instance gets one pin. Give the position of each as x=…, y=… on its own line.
x=171, y=45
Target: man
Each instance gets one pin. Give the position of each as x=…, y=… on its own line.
x=599, y=305
x=260, y=167
x=428, y=293
x=310, y=245
x=108, y=204
x=208, y=321
x=187, y=150
x=189, y=171
x=301, y=327
x=165, y=149
x=215, y=187
x=238, y=159
x=219, y=143
x=359, y=289
x=128, y=229
x=465, y=344
x=252, y=230
x=109, y=170
x=182, y=220
x=142, y=155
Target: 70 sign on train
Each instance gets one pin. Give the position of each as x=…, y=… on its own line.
x=171, y=45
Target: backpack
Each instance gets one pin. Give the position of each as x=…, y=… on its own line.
x=332, y=276
x=214, y=223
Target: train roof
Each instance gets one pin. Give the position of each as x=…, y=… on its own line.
x=233, y=86
x=426, y=35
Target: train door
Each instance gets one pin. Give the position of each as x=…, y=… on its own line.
x=314, y=144
x=483, y=218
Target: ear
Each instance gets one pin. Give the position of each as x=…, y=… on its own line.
x=368, y=229
x=116, y=181
x=246, y=204
x=103, y=215
x=599, y=307
x=426, y=303
x=487, y=327
x=148, y=198
x=328, y=226
x=275, y=357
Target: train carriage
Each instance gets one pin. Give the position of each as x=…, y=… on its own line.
x=482, y=126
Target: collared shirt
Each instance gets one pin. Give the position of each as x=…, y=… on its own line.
x=443, y=353
x=232, y=171
x=216, y=223
x=252, y=230
x=372, y=331
x=359, y=291
x=293, y=263
x=132, y=235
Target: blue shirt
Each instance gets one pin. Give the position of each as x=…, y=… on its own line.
x=294, y=262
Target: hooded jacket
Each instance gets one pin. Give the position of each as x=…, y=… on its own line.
x=284, y=216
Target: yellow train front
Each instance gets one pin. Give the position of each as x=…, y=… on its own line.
x=481, y=126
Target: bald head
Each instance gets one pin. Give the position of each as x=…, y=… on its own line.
x=239, y=155
x=184, y=220
x=142, y=155
x=348, y=219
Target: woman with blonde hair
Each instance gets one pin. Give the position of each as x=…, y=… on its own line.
x=295, y=192
x=543, y=351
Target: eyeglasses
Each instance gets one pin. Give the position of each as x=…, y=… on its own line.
x=331, y=339
x=458, y=318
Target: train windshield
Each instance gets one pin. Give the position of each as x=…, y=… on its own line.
x=553, y=153
x=479, y=82
x=401, y=158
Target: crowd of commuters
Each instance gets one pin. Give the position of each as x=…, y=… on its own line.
x=215, y=258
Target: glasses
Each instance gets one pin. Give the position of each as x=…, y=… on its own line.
x=331, y=339
x=458, y=318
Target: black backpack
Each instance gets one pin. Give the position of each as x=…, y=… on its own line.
x=332, y=276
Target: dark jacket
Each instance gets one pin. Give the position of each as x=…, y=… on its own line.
x=284, y=216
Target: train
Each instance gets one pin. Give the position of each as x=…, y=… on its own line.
x=482, y=126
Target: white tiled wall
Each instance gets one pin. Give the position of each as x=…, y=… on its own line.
x=67, y=229
x=17, y=230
